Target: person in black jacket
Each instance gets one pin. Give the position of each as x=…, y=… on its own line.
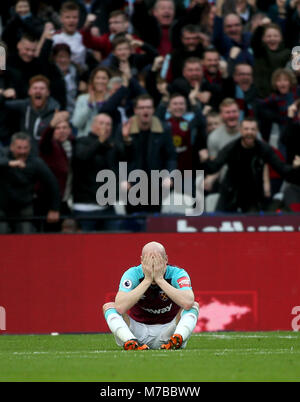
x=242, y=188
x=10, y=87
x=149, y=147
x=190, y=46
x=35, y=112
x=92, y=154
x=241, y=88
x=155, y=28
x=161, y=28
x=290, y=138
x=122, y=55
x=23, y=21
x=28, y=65
x=192, y=78
x=19, y=173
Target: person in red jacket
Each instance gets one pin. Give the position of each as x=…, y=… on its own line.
x=118, y=23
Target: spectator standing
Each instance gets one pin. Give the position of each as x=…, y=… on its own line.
x=99, y=100
x=274, y=108
x=230, y=40
x=33, y=58
x=269, y=54
x=155, y=28
x=87, y=105
x=118, y=24
x=190, y=46
x=187, y=128
x=35, y=112
x=93, y=153
x=242, y=188
x=241, y=88
x=69, y=34
x=56, y=149
x=22, y=22
x=228, y=131
x=149, y=146
x=192, y=77
x=20, y=172
x=123, y=55
x=61, y=54
x=10, y=87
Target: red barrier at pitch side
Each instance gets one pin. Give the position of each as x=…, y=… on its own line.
x=58, y=283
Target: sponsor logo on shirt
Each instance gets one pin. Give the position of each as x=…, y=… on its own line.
x=158, y=311
x=184, y=282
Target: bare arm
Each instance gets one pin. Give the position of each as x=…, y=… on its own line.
x=266, y=181
x=183, y=298
x=125, y=300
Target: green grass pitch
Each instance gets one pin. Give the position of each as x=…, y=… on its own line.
x=220, y=356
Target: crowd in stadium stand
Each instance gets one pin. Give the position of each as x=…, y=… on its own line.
x=158, y=84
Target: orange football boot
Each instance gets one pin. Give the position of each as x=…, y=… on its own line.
x=133, y=344
x=175, y=342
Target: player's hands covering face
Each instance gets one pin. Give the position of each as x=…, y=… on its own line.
x=147, y=265
x=159, y=266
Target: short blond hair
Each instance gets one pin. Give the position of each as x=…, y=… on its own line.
x=228, y=102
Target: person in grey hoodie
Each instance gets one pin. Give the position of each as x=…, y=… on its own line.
x=35, y=112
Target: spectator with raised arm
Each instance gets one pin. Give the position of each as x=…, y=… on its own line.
x=149, y=146
x=10, y=87
x=192, y=77
x=33, y=58
x=291, y=141
x=274, y=108
x=22, y=22
x=269, y=54
x=190, y=46
x=242, y=189
x=20, y=172
x=155, y=28
x=35, y=112
x=100, y=99
x=123, y=55
x=118, y=24
x=230, y=40
x=56, y=149
x=87, y=105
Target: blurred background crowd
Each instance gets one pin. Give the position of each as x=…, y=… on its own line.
x=158, y=84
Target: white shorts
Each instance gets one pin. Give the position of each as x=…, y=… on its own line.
x=152, y=335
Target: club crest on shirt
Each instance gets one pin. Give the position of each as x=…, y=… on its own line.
x=184, y=125
x=163, y=296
